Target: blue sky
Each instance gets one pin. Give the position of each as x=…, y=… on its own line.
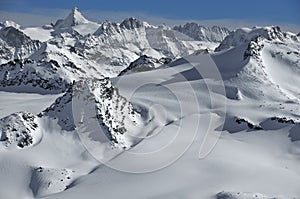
x=254, y=11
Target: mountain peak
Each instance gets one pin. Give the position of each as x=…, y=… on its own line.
x=131, y=23
x=245, y=35
x=202, y=33
x=108, y=28
x=77, y=15
x=14, y=36
x=12, y=24
x=75, y=9
x=73, y=19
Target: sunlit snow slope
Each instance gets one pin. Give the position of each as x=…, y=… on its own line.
x=174, y=120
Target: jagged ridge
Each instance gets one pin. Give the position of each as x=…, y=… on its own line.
x=201, y=33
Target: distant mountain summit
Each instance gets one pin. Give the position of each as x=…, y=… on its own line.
x=245, y=35
x=131, y=23
x=76, y=48
x=15, y=44
x=73, y=19
x=8, y=23
x=108, y=27
x=202, y=33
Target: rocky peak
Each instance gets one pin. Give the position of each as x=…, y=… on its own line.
x=272, y=33
x=44, y=76
x=245, y=35
x=73, y=19
x=111, y=109
x=144, y=63
x=201, y=33
x=108, y=28
x=14, y=37
x=18, y=129
x=131, y=23
x=254, y=48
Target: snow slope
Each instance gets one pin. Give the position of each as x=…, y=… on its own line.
x=223, y=124
x=26, y=102
x=247, y=164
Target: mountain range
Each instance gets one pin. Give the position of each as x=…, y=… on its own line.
x=77, y=96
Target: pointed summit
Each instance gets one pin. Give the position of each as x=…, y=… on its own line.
x=76, y=17
x=73, y=19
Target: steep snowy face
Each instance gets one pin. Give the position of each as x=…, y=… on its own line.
x=114, y=46
x=260, y=65
x=112, y=113
x=201, y=33
x=266, y=58
x=73, y=19
x=139, y=37
x=258, y=53
x=15, y=44
x=245, y=35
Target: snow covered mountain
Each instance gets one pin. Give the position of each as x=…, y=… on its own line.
x=245, y=35
x=20, y=129
x=266, y=67
x=75, y=48
x=14, y=44
x=73, y=19
x=202, y=33
x=116, y=45
x=9, y=23
x=267, y=53
x=132, y=97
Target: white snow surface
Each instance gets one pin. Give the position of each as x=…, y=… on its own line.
x=256, y=156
